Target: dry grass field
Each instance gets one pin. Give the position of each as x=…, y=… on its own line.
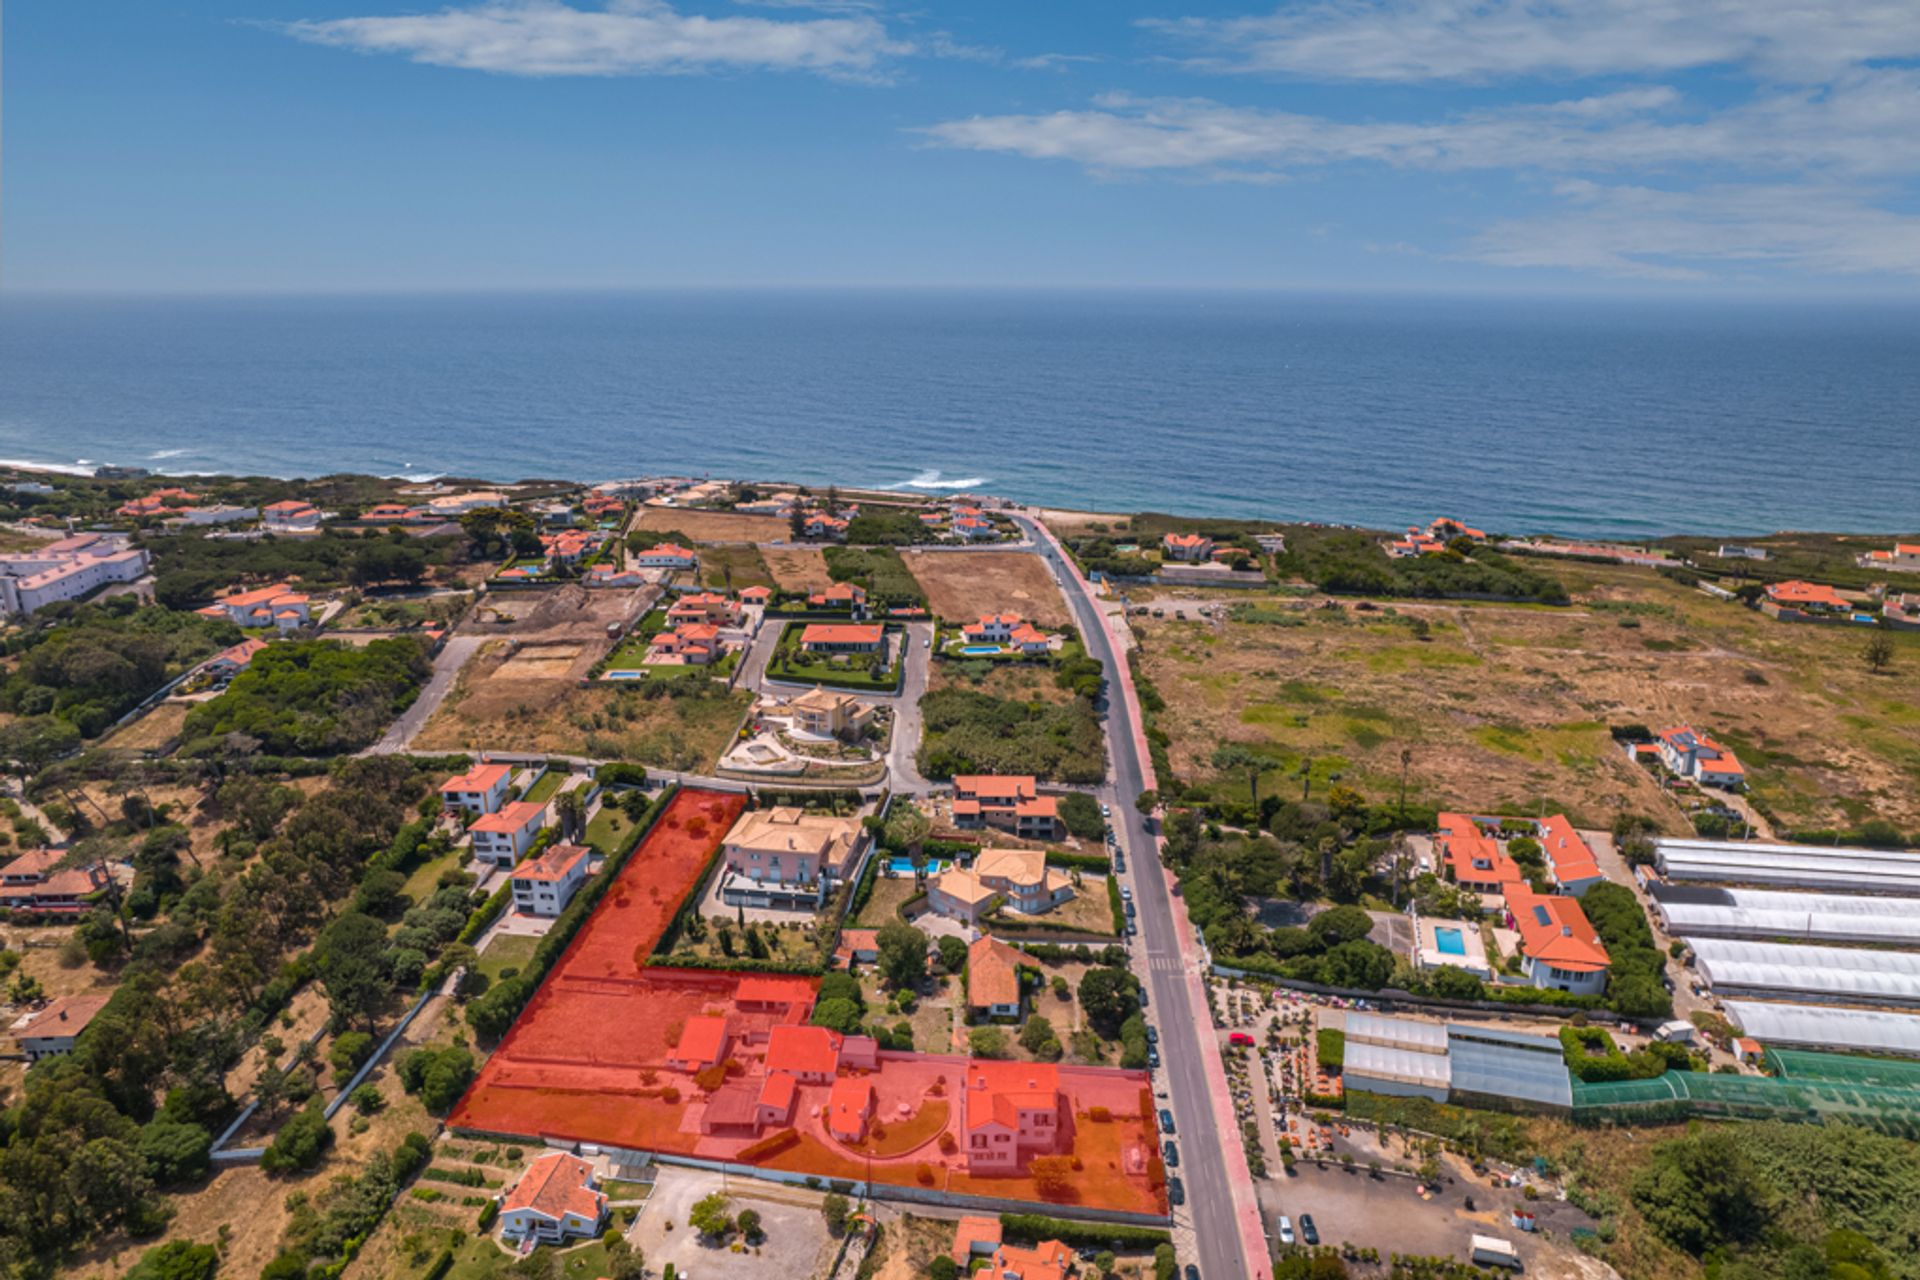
x=515, y=702
x=151, y=731
x=712, y=526
x=1021, y=682
x=962, y=585
x=1507, y=708
x=797, y=568
x=732, y=567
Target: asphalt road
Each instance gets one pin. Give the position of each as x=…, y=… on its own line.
x=1203, y=1167
x=453, y=655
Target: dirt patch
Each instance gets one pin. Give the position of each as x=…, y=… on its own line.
x=151, y=731
x=798, y=568
x=712, y=526
x=491, y=706
x=1021, y=682
x=962, y=585
x=545, y=662
x=569, y=612
x=733, y=568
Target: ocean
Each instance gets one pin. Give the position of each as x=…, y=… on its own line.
x=1594, y=418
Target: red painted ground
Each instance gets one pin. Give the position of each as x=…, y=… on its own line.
x=586, y=1061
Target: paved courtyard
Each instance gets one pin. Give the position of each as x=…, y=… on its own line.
x=796, y=1246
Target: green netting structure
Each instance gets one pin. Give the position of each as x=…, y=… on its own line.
x=1874, y=1093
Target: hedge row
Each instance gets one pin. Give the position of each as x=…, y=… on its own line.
x=1032, y=1228
x=1079, y=861
x=739, y=964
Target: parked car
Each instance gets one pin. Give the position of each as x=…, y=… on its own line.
x=1172, y=1154
x=1166, y=1121
x=1126, y=892
x=1153, y=1058
x=1283, y=1227
x=1106, y=811
x=1128, y=904
x=1309, y=1232
x=1143, y=995
x=1193, y=1272
x=1176, y=1192
x=1240, y=1039
x=1153, y=1034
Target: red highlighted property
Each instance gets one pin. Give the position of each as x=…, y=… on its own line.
x=725, y=1066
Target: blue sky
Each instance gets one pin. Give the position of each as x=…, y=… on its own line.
x=1667, y=146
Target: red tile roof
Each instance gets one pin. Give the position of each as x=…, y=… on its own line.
x=1816, y=594
x=556, y=1184
x=703, y=1039
x=803, y=1050
x=778, y=1092
x=997, y=786
x=1472, y=857
x=67, y=1016
x=481, y=778
x=993, y=973
x=971, y=1231
x=1554, y=929
x=509, y=818
x=849, y=1105
x=555, y=864
x=1568, y=854
x=842, y=633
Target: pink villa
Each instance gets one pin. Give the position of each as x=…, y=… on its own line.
x=1009, y=1112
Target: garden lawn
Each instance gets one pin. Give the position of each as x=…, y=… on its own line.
x=507, y=951
x=542, y=790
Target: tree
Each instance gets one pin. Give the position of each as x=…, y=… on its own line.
x=903, y=954
x=175, y=1153
x=350, y=958
x=1052, y=1176
x=1147, y=801
x=1877, y=652
x=1451, y=982
x=987, y=1042
x=943, y=1267
x=301, y=1142
x=749, y=1224
x=1037, y=1037
x=840, y=1015
x=1109, y=997
x=834, y=1209
x=953, y=953
x=350, y=1049
x=570, y=807
x=1080, y=813
x=1703, y=1190
x=709, y=1216
x=1104, y=1262
x=176, y=1260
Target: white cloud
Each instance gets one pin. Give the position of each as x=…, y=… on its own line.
x=1851, y=127
x=1492, y=40
x=1685, y=235
x=626, y=37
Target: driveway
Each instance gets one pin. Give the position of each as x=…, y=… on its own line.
x=446, y=666
x=796, y=1245
x=908, y=720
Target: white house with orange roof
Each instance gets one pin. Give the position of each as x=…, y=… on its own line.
x=230, y=662
x=481, y=789
x=612, y=575
x=974, y=1237
x=1796, y=596
x=849, y=1108
x=543, y=886
x=1011, y=802
x=1446, y=528
x=275, y=606
x=156, y=503
x=1902, y=557
x=1189, y=547
x=667, y=555
x=992, y=628
x=811, y=1055
x=501, y=837
x=975, y=529
x=1570, y=860
x=54, y=1030
x=993, y=978
x=1415, y=543
x=1692, y=754
x=1558, y=945
x=694, y=644
x=841, y=595
x=704, y=606
x=1048, y=1260
x=843, y=637
x=1010, y=1111
x=36, y=882
x=703, y=1043
x=290, y=516
x=557, y=1199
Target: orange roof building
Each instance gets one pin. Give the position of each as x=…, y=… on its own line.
x=1048, y=1260
x=843, y=637
x=1814, y=596
x=973, y=1236
x=1560, y=946
x=993, y=977
x=481, y=789
x=849, y=1108
x=1473, y=859
x=556, y=1199
x=810, y=1054
x=1009, y=1111
x=703, y=1043
x=1570, y=859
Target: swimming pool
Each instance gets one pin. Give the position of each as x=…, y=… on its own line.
x=979, y=650
x=626, y=675
x=904, y=866
x=1450, y=940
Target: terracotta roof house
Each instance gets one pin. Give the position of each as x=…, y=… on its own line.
x=974, y=1236
x=841, y=595
x=481, y=789
x=1009, y=1111
x=1560, y=946
x=849, y=1108
x=1692, y=754
x=544, y=885
x=1048, y=1260
x=1192, y=547
x=703, y=1043
x=54, y=1030
x=501, y=837
x=856, y=637
x=810, y=1054
x=555, y=1200
x=667, y=555
x=1807, y=597
x=993, y=978
x=1570, y=859
x=1473, y=859
x=1010, y=802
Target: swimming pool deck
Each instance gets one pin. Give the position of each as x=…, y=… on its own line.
x=1471, y=954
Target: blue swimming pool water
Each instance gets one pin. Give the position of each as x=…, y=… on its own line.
x=979, y=650
x=1449, y=941
x=904, y=866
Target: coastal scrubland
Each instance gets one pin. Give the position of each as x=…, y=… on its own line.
x=710, y=526
x=1505, y=707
